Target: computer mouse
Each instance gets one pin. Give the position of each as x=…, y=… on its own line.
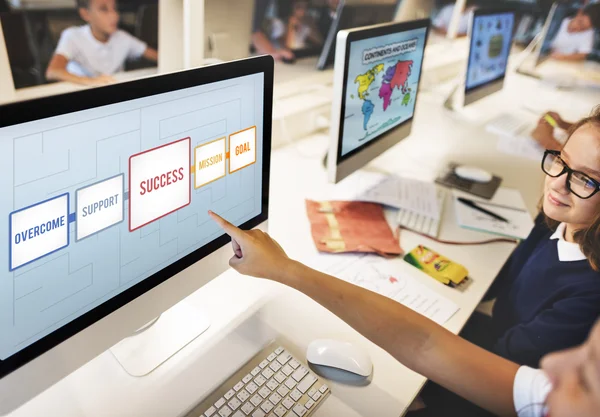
x=289, y=60
x=339, y=355
x=473, y=173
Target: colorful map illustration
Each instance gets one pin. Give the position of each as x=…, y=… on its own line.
x=381, y=87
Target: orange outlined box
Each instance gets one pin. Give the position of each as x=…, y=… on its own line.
x=242, y=149
x=209, y=162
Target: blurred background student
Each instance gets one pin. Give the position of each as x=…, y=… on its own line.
x=92, y=53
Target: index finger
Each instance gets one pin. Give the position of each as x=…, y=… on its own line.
x=229, y=228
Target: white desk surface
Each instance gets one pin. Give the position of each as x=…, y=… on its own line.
x=246, y=313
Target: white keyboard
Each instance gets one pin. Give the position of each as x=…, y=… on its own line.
x=508, y=125
x=421, y=223
x=272, y=384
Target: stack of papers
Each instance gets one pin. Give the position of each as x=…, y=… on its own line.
x=507, y=203
x=385, y=277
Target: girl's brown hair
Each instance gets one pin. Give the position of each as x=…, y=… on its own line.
x=588, y=238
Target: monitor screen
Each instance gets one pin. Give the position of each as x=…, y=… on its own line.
x=491, y=40
x=99, y=200
x=380, y=87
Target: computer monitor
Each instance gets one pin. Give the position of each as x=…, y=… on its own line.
x=376, y=84
x=491, y=33
x=551, y=28
x=105, y=200
x=352, y=14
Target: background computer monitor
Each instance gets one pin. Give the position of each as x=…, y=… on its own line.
x=105, y=199
x=491, y=33
x=551, y=28
x=376, y=84
x=352, y=14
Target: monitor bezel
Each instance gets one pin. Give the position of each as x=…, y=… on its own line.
x=496, y=84
x=26, y=111
x=375, y=32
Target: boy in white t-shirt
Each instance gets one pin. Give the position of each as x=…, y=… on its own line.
x=575, y=38
x=92, y=53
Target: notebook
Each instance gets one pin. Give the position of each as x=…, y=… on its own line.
x=507, y=203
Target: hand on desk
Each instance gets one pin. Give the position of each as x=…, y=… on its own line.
x=255, y=252
x=98, y=81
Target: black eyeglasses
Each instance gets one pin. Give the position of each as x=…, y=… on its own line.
x=580, y=184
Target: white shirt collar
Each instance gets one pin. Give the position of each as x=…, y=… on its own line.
x=567, y=251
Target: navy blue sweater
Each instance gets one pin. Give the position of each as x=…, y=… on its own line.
x=543, y=305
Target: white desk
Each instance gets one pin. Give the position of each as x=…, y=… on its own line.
x=246, y=313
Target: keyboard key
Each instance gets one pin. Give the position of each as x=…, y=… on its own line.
x=283, y=391
x=278, y=350
x=306, y=383
x=291, y=414
x=234, y=404
x=300, y=410
x=287, y=370
x=220, y=403
x=255, y=371
x=290, y=383
x=238, y=386
x=317, y=396
x=238, y=414
x=275, y=398
x=258, y=413
x=294, y=364
x=295, y=395
x=280, y=377
x=225, y=411
x=267, y=406
x=247, y=379
x=280, y=411
x=288, y=403
x=211, y=411
x=271, y=357
x=229, y=394
x=272, y=384
x=323, y=389
x=283, y=358
x=309, y=404
x=252, y=388
x=312, y=391
x=300, y=373
x=267, y=373
x=247, y=408
x=275, y=366
x=257, y=399
x=260, y=380
x=263, y=364
x=243, y=395
x=264, y=392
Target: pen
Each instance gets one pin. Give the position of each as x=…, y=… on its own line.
x=471, y=203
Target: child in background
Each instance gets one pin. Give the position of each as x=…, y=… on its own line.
x=302, y=30
x=92, y=53
x=575, y=38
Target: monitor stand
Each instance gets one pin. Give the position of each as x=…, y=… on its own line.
x=156, y=342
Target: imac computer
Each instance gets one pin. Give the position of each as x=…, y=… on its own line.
x=376, y=84
x=105, y=200
x=351, y=14
x=540, y=48
x=490, y=37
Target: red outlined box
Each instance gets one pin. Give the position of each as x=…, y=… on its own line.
x=160, y=182
x=248, y=158
x=204, y=176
